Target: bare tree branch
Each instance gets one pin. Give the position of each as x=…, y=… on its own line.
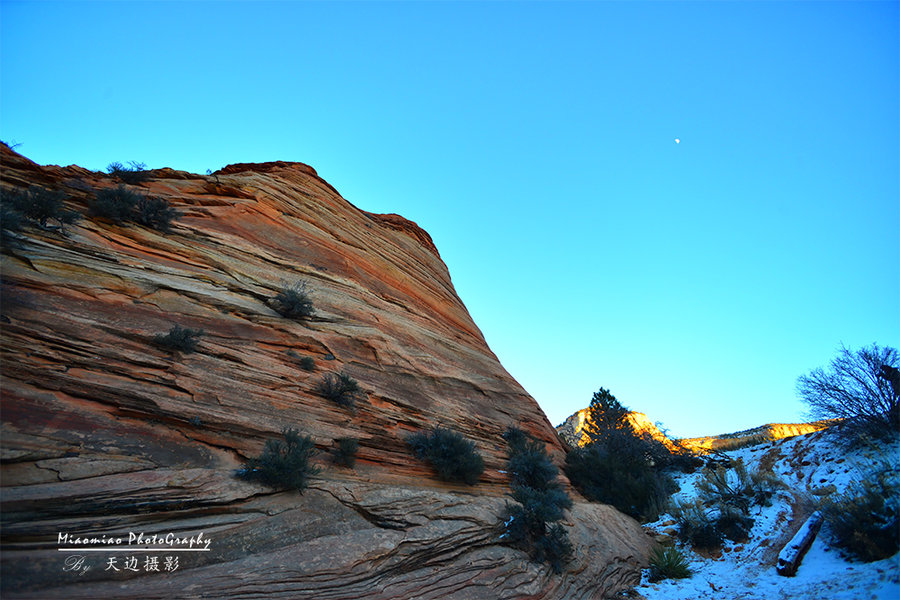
x=857, y=388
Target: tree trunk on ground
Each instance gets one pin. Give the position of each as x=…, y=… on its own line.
x=791, y=555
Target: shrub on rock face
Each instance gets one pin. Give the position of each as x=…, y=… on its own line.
x=345, y=451
x=11, y=222
x=284, y=464
x=453, y=457
x=307, y=363
x=515, y=438
x=37, y=205
x=531, y=523
x=529, y=466
x=121, y=205
x=154, y=213
x=293, y=302
x=181, y=339
x=116, y=204
x=553, y=548
x=135, y=172
x=339, y=388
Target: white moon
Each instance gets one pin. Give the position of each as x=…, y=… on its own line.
x=677, y=141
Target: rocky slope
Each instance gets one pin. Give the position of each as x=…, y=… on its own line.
x=810, y=467
x=105, y=434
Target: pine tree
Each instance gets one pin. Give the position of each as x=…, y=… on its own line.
x=605, y=414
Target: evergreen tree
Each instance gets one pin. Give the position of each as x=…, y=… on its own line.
x=605, y=415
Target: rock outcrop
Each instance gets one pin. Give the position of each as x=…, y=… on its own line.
x=763, y=433
x=104, y=434
x=572, y=431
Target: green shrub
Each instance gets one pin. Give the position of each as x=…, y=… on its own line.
x=530, y=466
x=11, y=222
x=553, y=548
x=707, y=527
x=734, y=489
x=39, y=206
x=697, y=526
x=307, y=363
x=121, y=205
x=668, y=563
x=721, y=510
x=726, y=486
x=515, y=438
x=733, y=524
x=542, y=506
x=763, y=486
x=620, y=466
x=154, y=213
x=540, y=501
x=453, y=457
x=864, y=520
x=632, y=486
x=293, y=302
x=179, y=339
x=284, y=464
x=339, y=388
x=135, y=172
x=345, y=451
x=116, y=204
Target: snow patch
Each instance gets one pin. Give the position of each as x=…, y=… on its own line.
x=810, y=465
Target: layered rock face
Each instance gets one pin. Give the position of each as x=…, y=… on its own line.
x=106, y=434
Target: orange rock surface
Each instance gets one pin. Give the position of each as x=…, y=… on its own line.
x=572, y=431
x=105, y=433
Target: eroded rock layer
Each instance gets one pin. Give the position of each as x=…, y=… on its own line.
x=106, y=434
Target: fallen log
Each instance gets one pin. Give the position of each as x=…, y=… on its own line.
x=792, y=554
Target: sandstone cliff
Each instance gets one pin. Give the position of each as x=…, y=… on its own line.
x=572, y=431
x=763, y=433
x=103, y=433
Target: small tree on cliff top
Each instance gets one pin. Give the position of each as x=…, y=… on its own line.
x=605, y=414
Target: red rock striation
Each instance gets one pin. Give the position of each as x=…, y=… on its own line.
x=106, y=434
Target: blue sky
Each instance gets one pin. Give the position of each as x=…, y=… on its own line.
x=535, y=142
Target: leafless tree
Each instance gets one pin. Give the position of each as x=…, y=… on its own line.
x=857, y=388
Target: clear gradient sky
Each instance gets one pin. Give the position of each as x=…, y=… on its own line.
x=536, y=143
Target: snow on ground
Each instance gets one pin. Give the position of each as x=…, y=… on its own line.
x=746, y=571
